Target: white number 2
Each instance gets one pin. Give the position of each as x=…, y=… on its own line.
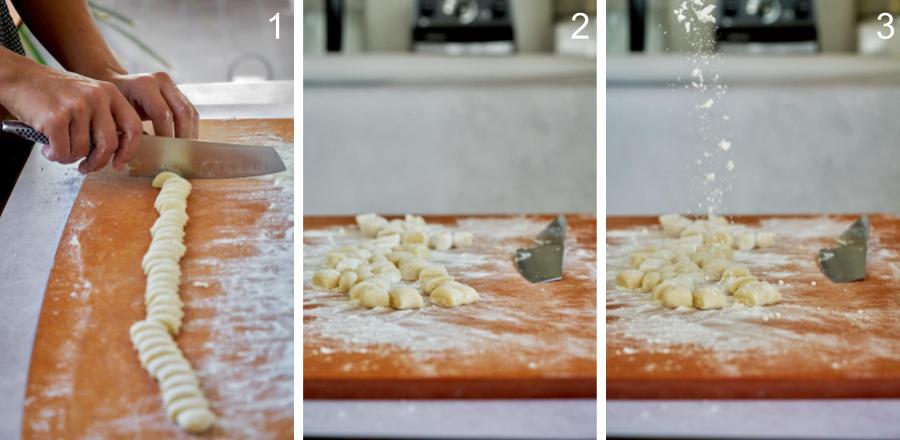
x=890, y=21
x=276, y=18
x=577, y=34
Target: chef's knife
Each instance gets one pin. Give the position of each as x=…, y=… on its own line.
x=191, y=159
x=544, y=261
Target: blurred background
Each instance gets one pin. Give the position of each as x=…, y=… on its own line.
x=449, y=106
x=195, y=41
x=812, y=97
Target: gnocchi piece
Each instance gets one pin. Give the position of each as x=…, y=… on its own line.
x=347, y=281
x=375, y=296
x=348, y=264
x=765, y=239
x=463, y=239
x=386, y=240
x=651, y=264
x=383, y=281
x=735, y=270
x=442, y=241
x=433, y=283
x=405, y=297
x=411, y=220
x=717, y=220
x=369, y=224
x=650, y=280
x=677, y=296
x=686, y=267
x=391, y=229
x=757, y=293
x=415, y=237
x=668, y=271
x=629, y=278
x=709, y=297
x=364, y=272
x=695, y=228
x=635, y=259
x=453, y=294
x=713, y=269
x=326, y=279
x=417, y=250
x=410, y=268
x=432, y=271
x=735, y=283
x=745, y=241
x=719, y=236
x=397, y=257
x=673, y=224
x=469, y=294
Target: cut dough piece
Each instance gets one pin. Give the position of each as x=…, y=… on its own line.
x=405, y=297
x=196, y=420
x=347, y=281
x=463, y=239
x=348, y=264
x=370, y=224
x=652, y=263
x=374, y=296
x=650, y=280
x=433, y=283
x=357, y=290
x=432, y=271
x=635, y=259
x=162, y=177
x=415, y=237
x=695, y=228
x=442, y=241
x=735, y=283
x=629, y=278
x=757, y=293
x=386, y=240
x=735, y=270
x=677, y=296
x=713, y=269
x=745, y=241
x=326, y=279
x=673, y=224
x=709, y=297
x=410, y=268
x=469, y=294
x=719, y=236
x=391, y=229
x=765, y=239
x=416, y=249
x=451, y=295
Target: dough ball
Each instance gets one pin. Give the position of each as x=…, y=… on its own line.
x=326, y=279
x=410, y=268
x=673, y=224
x=765, y=239
x=433, y=283
x=735, y=283
x=735, y=270
x=370, y=224
x=405, y=297
x=677, y=296
x=347, y=281
x=757, y=293
x=629, y=278
x=415, y=237
x=432, y=271
x=442, y=241
x=713, y=269
x=745, y=241
x=447, y=296
x=651, y=279
x=709, y=297
x=463, y=239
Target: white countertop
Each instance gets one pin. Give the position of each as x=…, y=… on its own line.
x=36, y=213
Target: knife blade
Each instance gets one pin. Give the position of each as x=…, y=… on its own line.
x=847, y=261
x=190, y=158
x=543, y=262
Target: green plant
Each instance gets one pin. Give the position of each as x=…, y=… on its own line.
x=109, y=17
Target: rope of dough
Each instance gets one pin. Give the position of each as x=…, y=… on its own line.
x=152, y=338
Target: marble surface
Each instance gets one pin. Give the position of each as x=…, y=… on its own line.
x=34, y=218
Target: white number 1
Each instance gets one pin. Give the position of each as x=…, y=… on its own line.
x=276, y=18
x=887, y=25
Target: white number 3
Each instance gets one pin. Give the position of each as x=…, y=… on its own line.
x=890, y=19
x=276, y=18
x=577, y=34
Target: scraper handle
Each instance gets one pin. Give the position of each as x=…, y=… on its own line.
x=25, y=131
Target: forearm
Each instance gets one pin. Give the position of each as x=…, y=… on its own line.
x=67, y=30
x=13, y=69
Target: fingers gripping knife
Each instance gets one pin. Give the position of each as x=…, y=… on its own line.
x=192, y=159
x=543, y=262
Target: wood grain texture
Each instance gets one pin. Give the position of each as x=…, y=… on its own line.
x=825, y=340
x=85, y=380
x=558, y=321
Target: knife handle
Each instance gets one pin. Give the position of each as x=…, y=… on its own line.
x=25, y=131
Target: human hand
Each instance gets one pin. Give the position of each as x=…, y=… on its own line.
x=70, y=110
x=156, y=98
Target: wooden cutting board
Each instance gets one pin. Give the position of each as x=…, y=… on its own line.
x=85, y=380
x=520, y=340
x=825, y=340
